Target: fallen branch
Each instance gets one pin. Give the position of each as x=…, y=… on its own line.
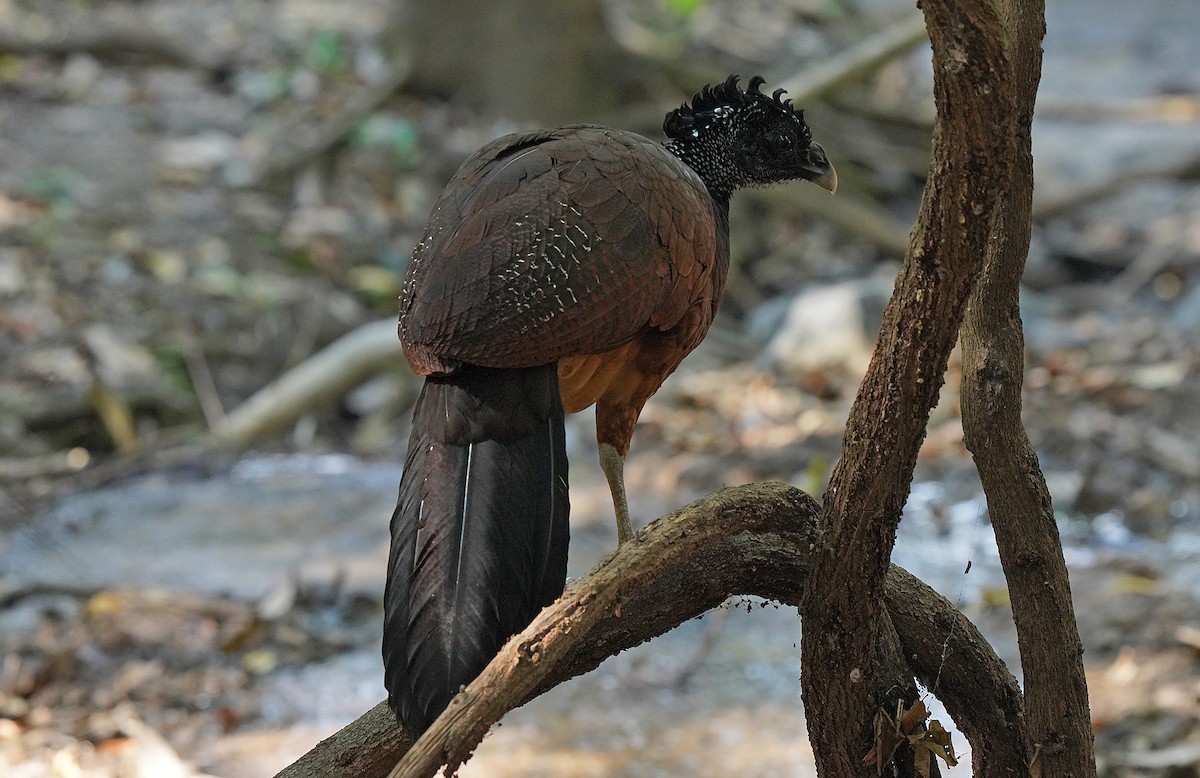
x=857, y=61
x=328, y=374
x=755, y=540
x=107, y=39
x=51, y=406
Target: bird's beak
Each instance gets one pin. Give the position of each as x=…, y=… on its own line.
x=818, y=170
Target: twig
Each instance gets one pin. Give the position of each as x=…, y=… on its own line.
x=327, y=374
x=115, y=414
x=202, y=381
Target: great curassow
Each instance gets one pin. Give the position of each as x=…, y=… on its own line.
x=558, y=269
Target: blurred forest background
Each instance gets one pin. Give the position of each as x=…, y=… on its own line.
x=197, y=197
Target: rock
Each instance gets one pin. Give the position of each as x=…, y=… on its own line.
x=191, y=160
x=79, y=76
x=13, y=280
x=817, y=328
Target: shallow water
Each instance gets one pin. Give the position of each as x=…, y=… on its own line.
x=271, y=519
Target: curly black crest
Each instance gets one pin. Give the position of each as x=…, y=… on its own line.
x=716, y=103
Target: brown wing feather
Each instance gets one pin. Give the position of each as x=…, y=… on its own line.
x=558, y=243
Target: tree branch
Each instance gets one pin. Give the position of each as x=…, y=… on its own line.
x=329, y=373
x=1056, y=702
x=957, y=664
x=754, y=539
x=107, y=39
x=367, y=747
x=695, y=536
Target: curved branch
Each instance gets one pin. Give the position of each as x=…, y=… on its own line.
x=365, y=748
x=757, y=540
x=696, y=538
x=951, y=659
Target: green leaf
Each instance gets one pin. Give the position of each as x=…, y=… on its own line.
x=393, y=132
x=684, y=8
x=325, y=51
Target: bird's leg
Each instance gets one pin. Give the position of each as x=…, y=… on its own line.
x=615, y=421
x=612, y=462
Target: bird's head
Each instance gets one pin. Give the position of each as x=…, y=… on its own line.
x=734, y=138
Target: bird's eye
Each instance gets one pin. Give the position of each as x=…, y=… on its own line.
x=782, y=142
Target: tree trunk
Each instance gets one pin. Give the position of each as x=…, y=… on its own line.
x=1056, y=704
x=870, y=484
x=530, y=60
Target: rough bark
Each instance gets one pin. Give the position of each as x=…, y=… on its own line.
x=368, y=747
x=748, y=540
x=1056, y=704
x=870, y=484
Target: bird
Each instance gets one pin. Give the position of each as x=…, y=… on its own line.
x=558, y=269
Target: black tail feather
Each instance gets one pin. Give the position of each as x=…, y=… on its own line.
x=479, y=536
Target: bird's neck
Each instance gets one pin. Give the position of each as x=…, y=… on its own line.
x=712, y=163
